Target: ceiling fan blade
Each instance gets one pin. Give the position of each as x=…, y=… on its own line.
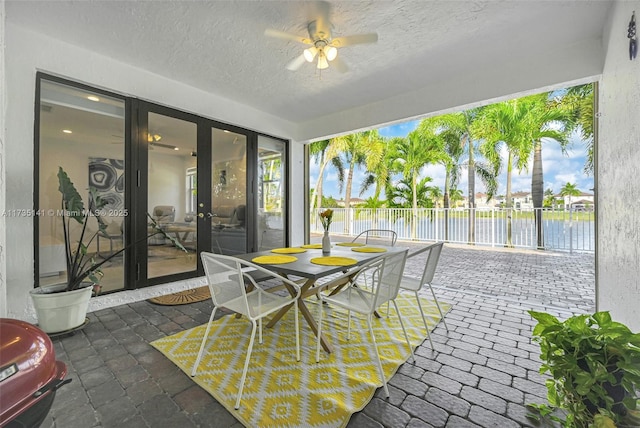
x=296, y=63
x=286, y=36
x=339, y=65
x=323, y=24
x=357, y=39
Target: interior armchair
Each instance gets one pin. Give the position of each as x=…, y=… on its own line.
x=163, y=215
x=230, y=237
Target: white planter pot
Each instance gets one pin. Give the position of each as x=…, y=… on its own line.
x=60, y=311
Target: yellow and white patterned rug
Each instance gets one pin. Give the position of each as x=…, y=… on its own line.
x=281, y=392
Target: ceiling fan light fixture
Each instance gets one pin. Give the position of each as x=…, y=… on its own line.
x=322, y=62
x=310, y=53
x=331, y=53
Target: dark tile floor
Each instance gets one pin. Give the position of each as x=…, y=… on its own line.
x=483, y=372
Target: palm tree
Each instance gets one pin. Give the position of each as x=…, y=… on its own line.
x=401, y=195
x=569, y=190
x=579, y=99
x=456, y=196
x=548, y=198
x=456, y=129
x=324, y=152
x=377, y=173
x=409, y=155
x=506, y=125
x=547, y=122
x=377, y=164
x=354, y=149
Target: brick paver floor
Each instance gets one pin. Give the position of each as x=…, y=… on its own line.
x=482, y=373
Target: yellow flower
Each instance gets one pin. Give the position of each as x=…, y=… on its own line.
x=325, y=218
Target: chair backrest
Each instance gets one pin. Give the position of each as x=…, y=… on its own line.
x=429, y=255
x=388, y=284
x=239, y=215
x=226, y=282
x=390, y=236
x=164, y=213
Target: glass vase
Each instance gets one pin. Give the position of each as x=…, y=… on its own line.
x=326, y=243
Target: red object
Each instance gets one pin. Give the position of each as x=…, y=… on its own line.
x=29, y=374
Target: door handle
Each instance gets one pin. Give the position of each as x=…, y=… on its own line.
x=209, y=215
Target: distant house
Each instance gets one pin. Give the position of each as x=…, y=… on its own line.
x=522, y=200
x=519, y=200
x=481, y=201
x=581, y=202
x=354, y=202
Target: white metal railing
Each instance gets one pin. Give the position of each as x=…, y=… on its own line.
x=561, y=230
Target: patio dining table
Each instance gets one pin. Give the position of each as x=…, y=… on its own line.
x=310, y=273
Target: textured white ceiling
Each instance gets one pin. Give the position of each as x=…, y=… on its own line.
x=219, y=46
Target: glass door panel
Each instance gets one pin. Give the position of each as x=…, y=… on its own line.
x=171, y=194
x=83, y=132
x=271, y=193
x=228, y=192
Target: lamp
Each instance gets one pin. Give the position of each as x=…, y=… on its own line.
x=322, y=61
x=331, y=53
x=310, y=53
x=323, y=51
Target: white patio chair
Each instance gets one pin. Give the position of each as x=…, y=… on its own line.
x=227, y=285
x=389, y=235
x=428, y=256
x=384, y=274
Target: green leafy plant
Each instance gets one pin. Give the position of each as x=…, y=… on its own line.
x=81, y=265
x=594, y=363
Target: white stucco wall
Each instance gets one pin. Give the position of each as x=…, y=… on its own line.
x=28, y=52
x=618, y=156
x=3, y=260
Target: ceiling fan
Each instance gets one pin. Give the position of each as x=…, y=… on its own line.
x=322, y=45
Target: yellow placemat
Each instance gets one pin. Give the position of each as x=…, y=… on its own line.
x=315, y=246
x=369, y=250
x=288, y=250
x=274, y=260
x=334, y=261
x=350, y=244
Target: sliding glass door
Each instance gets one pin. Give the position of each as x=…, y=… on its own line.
x=228, y=214
x=271, y=168
x=83, y=132
x=208, y=186
x=171, y=146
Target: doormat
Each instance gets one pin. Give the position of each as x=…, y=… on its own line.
x=183, y=297
x=280, y=392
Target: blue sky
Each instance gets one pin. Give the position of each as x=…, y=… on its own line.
x=558, y=169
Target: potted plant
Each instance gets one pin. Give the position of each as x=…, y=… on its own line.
x=63, y=307
x=594, y=363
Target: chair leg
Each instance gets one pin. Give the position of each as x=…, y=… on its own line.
x=375, y=348
x=438, y=306
x=204, y=341
x=424, y=320
x=260, y=331
x=348, y=325
x=297, y=332
x=404, y=330
x=246, y=364
x=319, y=332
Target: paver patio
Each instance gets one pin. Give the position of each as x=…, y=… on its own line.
x=482, y=373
